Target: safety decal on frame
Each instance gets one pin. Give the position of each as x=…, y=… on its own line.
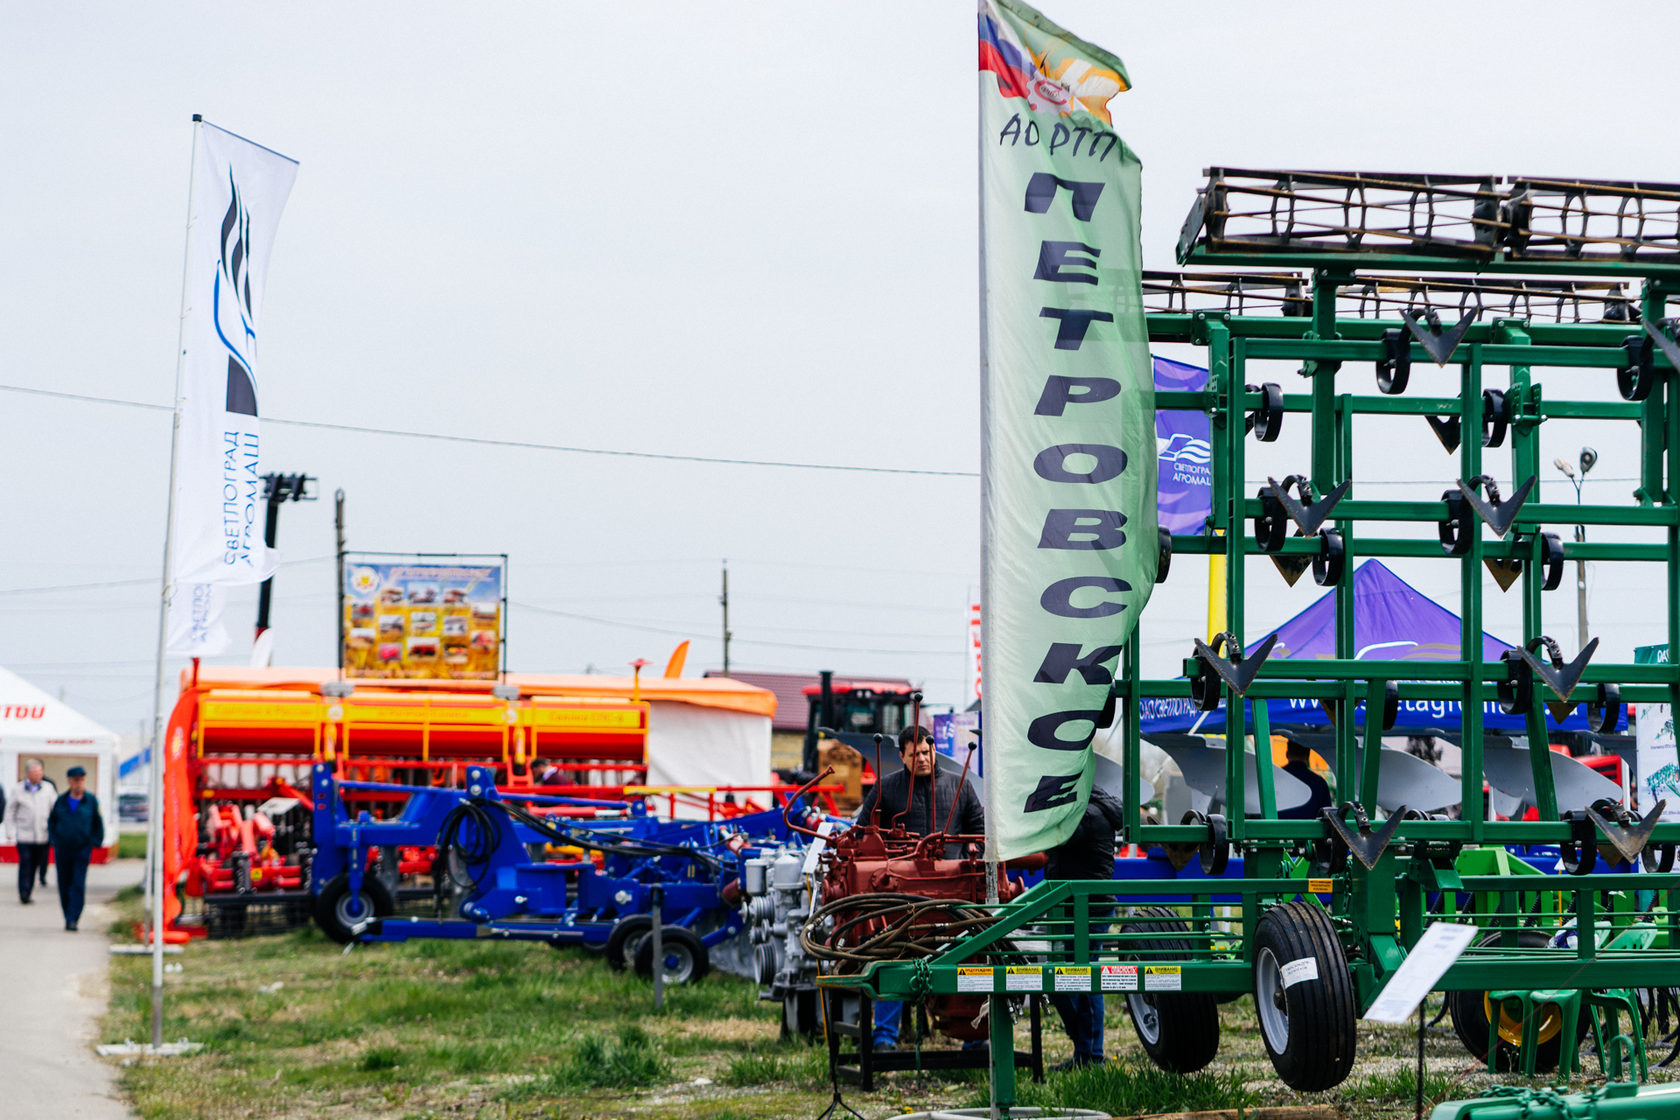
x=1024, y=978
x=971, y=979
x=1119, y=977
x=1163, y=978
x=1073, y=978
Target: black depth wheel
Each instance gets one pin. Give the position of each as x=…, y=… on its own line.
x=622, y=942
x=685, y=957
x=1179, y=1030
x=1472, y=1012
x=341, y=917
x=1304, y=995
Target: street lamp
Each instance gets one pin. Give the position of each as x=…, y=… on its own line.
x=1588, y=458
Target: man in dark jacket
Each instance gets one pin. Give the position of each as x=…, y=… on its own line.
x=1087, y=854
x=928, y=793
x=919, y=797
x=75, y=828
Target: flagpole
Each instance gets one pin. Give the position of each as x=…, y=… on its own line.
x=988, y=773
x=160, y=752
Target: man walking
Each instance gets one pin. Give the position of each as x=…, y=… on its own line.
x=27, y=811
x=76, y=828
x=1087, y=854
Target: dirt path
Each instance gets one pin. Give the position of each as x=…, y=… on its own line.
x=55, y=984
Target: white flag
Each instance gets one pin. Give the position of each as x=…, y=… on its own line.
x=195, y=620
x=239, y=189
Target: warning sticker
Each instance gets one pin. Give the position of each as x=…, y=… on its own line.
x=1073, y=978
x=1024, y=978
x=1296, y=971
x=974, y=979
x=1321, y=886
x=1119, y=978
x=1163, y=978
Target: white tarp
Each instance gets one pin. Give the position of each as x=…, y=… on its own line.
x=690, y=745
x=34, y=725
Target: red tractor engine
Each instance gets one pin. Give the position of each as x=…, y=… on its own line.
x=881, y=894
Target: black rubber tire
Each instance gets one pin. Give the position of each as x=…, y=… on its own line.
x=1179, y=1030
x=1311, y=1026
x=329, y=906
x=686, y=958
x=1470, y=1013
x=622, y=942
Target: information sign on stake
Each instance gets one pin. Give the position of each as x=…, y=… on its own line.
x=1441, y=945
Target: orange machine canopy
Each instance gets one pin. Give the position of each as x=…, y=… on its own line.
x=705, y=692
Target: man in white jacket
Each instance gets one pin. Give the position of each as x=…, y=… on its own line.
x=27, y=809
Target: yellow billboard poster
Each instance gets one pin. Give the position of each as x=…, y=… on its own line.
x=419, y=618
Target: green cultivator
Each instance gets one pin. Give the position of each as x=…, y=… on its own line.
x=1363, y=285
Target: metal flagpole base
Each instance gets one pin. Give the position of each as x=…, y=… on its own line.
x=140, y=1049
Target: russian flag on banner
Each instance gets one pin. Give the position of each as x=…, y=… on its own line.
x=1003, y=57
x=1059, y=79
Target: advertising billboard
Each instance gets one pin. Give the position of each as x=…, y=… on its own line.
x=418, y=617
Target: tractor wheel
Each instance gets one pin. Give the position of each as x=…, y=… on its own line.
x=1179, y=1030
x=1472, y=1012
x=334, y=906
x=622, y=942
x=1303, y=992
x=685, y=957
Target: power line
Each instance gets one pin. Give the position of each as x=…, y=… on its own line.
x=744, y=641
x=528, y=445
x=143, y=580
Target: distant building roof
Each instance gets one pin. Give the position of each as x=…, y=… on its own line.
x=791, y=706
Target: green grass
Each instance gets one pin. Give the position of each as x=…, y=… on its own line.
x=1399, y=1085
x=1132, y=1087
x=131, y=845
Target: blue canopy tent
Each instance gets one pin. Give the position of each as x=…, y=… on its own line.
x=1392, y=620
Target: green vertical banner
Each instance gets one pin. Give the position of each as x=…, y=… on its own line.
x=1069, y=545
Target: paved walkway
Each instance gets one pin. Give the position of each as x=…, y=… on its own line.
x=55, y=991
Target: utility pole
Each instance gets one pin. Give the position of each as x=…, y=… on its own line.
x=724, y=599
x=278, y=488
x=338, y=531
x=1588, y=458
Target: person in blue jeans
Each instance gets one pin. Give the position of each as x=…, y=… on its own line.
x=912, y=794
x=1087, y=854
x=75, y=828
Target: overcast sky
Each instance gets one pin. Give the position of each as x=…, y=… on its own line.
x=718, y=230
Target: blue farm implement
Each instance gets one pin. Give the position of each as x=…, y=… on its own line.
x=617, y=868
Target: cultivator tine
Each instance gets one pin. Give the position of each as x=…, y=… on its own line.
x=1628, y=838
x=1561, y=679
x=1240, y=673
x=1499, y=515
x=1446, y=429
x=1310, y=515
x=1360, y=840
x=1438, y=342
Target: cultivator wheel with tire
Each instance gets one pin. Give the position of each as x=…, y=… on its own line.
x=1473, y=1013
x=625, y=939
x=342, y=916
x=683, y=956
x=1304, y=995
x=1179, y=1030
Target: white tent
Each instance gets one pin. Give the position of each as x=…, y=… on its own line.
x=690, y=745
x=34, y=725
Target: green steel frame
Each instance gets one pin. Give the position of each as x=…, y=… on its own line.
x=1048, y=936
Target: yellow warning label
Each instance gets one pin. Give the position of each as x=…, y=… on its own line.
x=1073, y=978
x=1321, y=886
x=1024, y=978
x=971, y=978
x=1163, y=978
